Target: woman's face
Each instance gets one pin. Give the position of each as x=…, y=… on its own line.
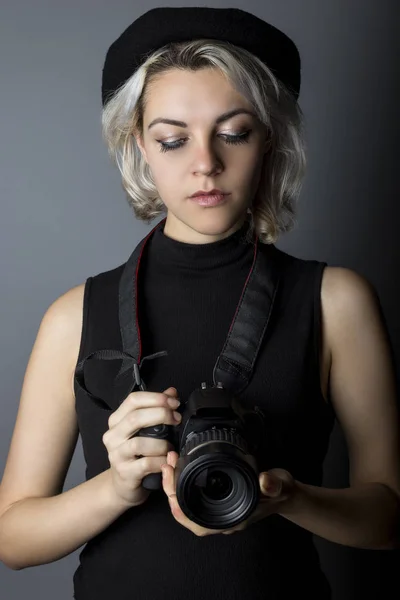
x=205, y=157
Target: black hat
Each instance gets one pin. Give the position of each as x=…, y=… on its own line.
x=160, y=26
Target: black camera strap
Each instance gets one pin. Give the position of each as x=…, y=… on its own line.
x=234, y=366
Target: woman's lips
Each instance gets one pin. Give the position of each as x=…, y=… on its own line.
x=212, y=200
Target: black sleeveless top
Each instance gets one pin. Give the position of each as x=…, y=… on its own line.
x=187, y=297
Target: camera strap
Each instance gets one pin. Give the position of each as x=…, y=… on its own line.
x=234, y=366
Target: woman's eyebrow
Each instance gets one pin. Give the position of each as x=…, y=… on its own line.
x=220, y=119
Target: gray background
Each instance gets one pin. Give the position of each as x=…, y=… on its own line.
x=64, y=216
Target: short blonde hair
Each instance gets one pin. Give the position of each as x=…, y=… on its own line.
x=273, y=208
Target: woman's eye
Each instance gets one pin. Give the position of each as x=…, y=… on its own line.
x=241, y=138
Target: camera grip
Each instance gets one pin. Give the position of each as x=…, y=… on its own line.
x=153, y=481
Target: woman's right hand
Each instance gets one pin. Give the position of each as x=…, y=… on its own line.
x=132, y=458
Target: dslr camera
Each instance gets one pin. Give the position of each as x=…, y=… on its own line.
x=217, y=474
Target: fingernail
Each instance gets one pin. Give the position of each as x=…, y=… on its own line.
x=269, y=485
x=173, y=402
x=274, y=487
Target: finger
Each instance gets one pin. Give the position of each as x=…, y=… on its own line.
x=138, y=447
x=137, y=420
x=140, y=399
x=240, y=527
x=170, y=490
x=171, y=391
x=172, y=458
x=168, y=482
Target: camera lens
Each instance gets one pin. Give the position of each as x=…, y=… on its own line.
x=218, y=485
x=217, y=482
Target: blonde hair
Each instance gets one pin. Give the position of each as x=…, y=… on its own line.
x=273, y=208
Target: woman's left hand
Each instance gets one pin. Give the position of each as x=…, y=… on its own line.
x=277, y=487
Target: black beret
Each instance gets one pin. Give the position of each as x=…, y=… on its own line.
x=162, y=25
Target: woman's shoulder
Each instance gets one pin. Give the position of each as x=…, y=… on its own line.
x=342, y=286
x=348, y=300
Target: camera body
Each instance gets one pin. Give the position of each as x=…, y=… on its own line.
x=217, y=474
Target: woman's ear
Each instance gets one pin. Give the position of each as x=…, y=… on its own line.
x=139, y=142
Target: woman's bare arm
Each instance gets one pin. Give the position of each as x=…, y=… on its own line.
x=36, y=531
x=364, y=395
x=38, y=522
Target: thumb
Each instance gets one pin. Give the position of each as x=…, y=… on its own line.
x=271, y=485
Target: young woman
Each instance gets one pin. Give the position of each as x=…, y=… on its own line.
x=201, y=100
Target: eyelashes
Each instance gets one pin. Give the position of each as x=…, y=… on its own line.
x=242, y=138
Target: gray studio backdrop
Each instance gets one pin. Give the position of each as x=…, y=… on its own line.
x=64, y=216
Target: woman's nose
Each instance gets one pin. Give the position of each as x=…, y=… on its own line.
x=206, y=159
